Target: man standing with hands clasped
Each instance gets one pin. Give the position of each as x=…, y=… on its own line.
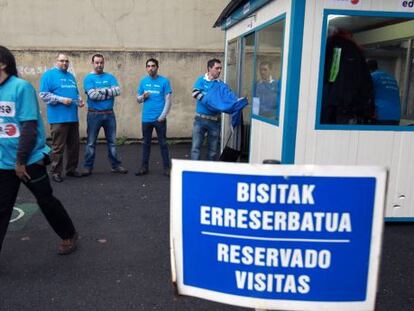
x=24, y=154
x=101, y=88
x=154, y=92
x=59, y=90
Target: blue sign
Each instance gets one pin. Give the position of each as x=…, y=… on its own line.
x=302, y=238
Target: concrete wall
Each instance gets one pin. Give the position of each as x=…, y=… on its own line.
x=178, y=33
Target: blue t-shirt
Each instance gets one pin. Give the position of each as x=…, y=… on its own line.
x=63, y=84
x=203, y=85
x=154, y=104
x=100, y=81
x=387, y=96
x=18, y=103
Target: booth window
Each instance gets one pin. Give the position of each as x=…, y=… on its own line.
x=267, y=85
x=367, y=71
x=232, y=64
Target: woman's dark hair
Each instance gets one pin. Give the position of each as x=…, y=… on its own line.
x=7, y=58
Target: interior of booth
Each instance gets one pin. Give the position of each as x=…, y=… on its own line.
x=367, y=71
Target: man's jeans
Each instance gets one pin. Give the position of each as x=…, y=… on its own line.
x=200, y=128
x=95, y=122
x=161, y=129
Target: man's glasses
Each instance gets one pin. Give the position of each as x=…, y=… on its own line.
x=63, y=61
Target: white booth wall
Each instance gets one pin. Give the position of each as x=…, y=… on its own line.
x=314, y=144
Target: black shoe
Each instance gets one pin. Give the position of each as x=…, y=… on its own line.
x=167, y=172
x=119, y=170
x=86, y=172
x=142, y=171
x=57, y=178
x=74, y=174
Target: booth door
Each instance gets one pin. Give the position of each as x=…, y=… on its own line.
x=253, y=70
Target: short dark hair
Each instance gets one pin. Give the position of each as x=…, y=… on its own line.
x=97, y=55
x=152, y=60
x=7, y=58
x=212, y=62
x=372, y=64
x=266, y=63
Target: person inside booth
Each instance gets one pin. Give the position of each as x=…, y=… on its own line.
x=267, y=91
x=387, y=95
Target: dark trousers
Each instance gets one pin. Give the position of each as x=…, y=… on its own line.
x=161, y=129
x=64, y=136
x=39, y=186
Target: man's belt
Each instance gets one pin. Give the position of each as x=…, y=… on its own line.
x=101, y=111
x=208, y=117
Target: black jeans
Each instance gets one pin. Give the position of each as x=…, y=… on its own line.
x=161, y=129
x=39, y=186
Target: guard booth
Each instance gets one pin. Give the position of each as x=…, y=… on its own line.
x=283, y=56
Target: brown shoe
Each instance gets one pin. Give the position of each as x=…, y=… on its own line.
x=68, y=246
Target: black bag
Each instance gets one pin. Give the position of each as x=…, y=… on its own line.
x=229, y=154
x=232, y=149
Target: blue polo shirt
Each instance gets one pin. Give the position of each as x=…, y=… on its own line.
x=63, y=84
x=154, y=104
x=203, y=84
x=387, y=96
x=18, y=103
x=100, y=81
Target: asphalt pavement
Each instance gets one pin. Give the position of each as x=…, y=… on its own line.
x=123, y=261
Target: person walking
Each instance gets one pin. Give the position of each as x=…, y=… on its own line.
x=24, y=154
x=101, y=88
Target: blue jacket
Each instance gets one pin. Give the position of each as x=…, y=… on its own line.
x=220, y=98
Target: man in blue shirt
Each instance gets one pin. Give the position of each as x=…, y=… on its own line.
x=59, y=90
x=206, y=121
x=268, y=92
x=154, y=92
x=24, y=154
x=387, y=96
x=101, y=88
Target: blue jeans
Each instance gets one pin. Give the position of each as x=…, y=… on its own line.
x=161, y=129
x=201, y=127
x=95, y=122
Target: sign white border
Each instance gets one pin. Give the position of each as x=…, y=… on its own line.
x=176, y=238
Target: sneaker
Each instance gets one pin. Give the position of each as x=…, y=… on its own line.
x=86, y=172
x=167, y=172
x=74, y=174
x=68, y=246
x=119, y=170
x=57, y=178
x=142, y=171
